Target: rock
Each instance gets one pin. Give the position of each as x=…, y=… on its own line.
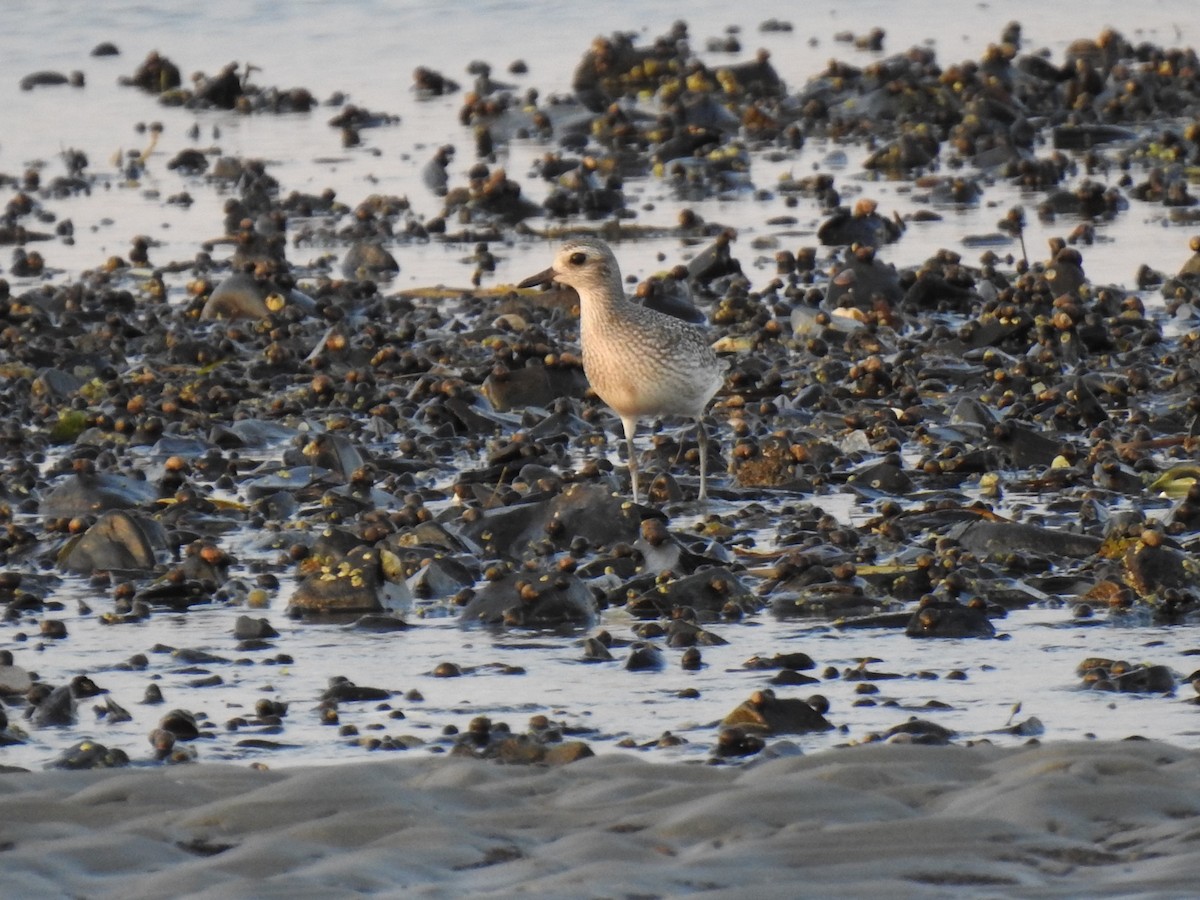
x=736, y=742
x=527, y=600
x=645, y=657
x=43, y=79
x=380, y=624
x=442, y=576
x=55, y=707
x=239, y=296
x=919, y=731
x=90, y=755
x=530, y=386
x=369, y=259
x=994, y=539
x=14, y=681
x=709, y=590
x=864, y=283
x=862, y=226
x=87, y=494
x=587, y=511
x=594, y=650
x=351, y=585
x=566, y=752
x=342, y=690
x=764, y=712
x=119, y=541
x=156, y=74
x=247, y=629
x=1101, y=674
x=681, y=634
x=181, y=724
x=1152, y=566
x=949, y=619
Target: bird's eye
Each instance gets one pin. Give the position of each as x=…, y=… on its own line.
x=578, y=258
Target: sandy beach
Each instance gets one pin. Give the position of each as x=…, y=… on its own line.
x=1105, y=819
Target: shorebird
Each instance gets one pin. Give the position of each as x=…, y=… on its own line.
x=639, y=361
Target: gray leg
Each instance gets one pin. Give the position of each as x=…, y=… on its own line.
x=630, y=430
x=702, y=440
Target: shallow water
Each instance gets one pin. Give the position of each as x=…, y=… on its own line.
x=368, y=50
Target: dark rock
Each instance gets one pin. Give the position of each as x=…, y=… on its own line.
x=92, y=494
x=590, y=512
x=949, y=619
x=862, y=226
x=181, y=723
x=533, y=601
x=644, y=657
x=88, y=754
x=369, y=259
x=156, y=74
x=736, y=742
x=248, y=629
x=920, y=731
x=1118, y=675
x=766, y=713
x=532, y=386
x=381, y=624
x=55, y=707
x=43, y=79
x=997, y=539
x=350, y=585
x=112, y=712
x=863, y=282
x=594, y=650
x=342, y=690
x=706, y=591
x=443, y=576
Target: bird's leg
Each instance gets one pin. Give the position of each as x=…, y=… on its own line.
x=702, y=440
x=631, y=429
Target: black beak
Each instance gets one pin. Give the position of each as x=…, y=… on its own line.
x=545, y=277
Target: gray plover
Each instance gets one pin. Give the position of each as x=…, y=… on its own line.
x=639, y=361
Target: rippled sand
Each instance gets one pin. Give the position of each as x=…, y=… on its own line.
x=1059, y=820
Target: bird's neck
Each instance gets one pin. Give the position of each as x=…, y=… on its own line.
x=603, y=304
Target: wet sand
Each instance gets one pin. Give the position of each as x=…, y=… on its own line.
x=1103, y=819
